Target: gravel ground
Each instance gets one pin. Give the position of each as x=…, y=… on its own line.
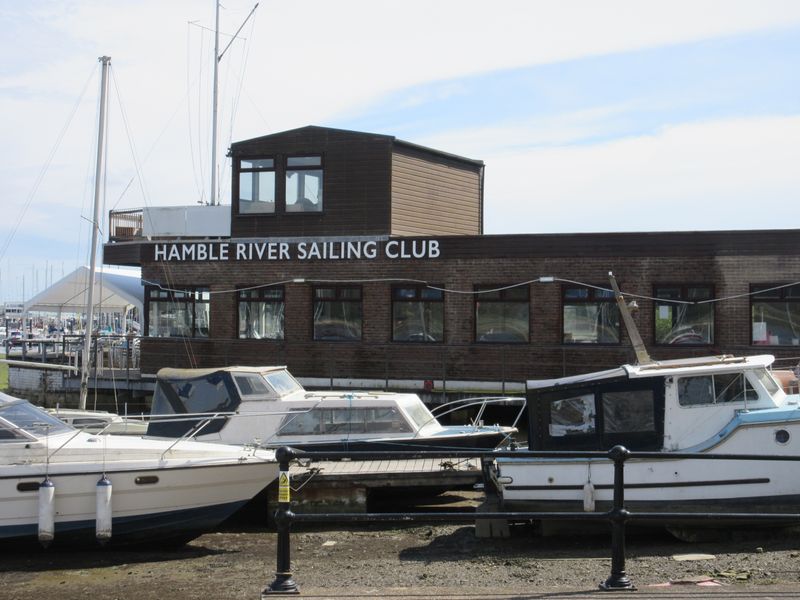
x=381, y=560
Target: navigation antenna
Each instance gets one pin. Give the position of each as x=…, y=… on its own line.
x=642, y=357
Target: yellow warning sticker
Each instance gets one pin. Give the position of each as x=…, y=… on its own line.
x=283, y=487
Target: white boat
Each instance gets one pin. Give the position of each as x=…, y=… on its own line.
x=712, y=405
x=267, y=406
x=68, y=487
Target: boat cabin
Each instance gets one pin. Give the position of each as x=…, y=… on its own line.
x=667, y=405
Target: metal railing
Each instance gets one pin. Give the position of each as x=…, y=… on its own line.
x=618, y=516
x=125, y=225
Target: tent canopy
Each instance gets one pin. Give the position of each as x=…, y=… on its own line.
x=114, y=289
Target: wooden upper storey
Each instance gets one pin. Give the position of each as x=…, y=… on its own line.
x=317, y=181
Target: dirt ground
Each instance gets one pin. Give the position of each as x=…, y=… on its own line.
x=420, y=559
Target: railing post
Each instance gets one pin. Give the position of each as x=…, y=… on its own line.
x=618, y=580
x=283, y=583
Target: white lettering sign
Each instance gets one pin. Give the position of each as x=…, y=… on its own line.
x=302, y=251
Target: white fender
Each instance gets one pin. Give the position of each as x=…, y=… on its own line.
x=588, y=497
x=47, y=512
x=103, y=514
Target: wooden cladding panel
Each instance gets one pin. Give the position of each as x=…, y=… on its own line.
x=434, y=197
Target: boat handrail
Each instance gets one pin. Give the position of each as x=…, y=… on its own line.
x=189, y=434
x=482, y=401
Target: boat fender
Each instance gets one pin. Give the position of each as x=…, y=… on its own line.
x=47, y=512
x=103, y=514
x=588, y=497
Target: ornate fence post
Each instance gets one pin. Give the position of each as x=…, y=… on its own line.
x=283, y=583
x=618, y=580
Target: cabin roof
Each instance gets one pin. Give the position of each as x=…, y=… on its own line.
x=171, y=373
x=681, y=366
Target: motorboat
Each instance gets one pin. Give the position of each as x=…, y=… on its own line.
x=707, y=405
x=269, y=407
x=63, y=486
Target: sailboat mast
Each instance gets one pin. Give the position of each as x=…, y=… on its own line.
x=101, y=136
x=213, y=199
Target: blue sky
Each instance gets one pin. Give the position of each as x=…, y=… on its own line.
x=590, y=116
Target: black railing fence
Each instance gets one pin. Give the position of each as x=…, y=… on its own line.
x=618, y=516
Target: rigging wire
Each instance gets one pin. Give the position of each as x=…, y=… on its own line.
x=44, y=169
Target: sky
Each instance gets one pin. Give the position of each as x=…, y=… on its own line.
x=613, y=115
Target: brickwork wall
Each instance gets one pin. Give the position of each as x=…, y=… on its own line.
x=376, y=356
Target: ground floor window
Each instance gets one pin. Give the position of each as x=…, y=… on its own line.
x=337, y=313
x=502, y=315
x=261, y=313
x=417, y=314
x=180, y=312
x=682, y=323
x=590, y=316
x=775, y=315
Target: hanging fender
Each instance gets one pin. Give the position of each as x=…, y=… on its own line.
x=103, y=514
x=47, y=512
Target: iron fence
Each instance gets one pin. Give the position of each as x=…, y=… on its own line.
x=618, y=516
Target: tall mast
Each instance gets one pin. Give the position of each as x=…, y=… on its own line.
x=98, y=174
x=213, y=198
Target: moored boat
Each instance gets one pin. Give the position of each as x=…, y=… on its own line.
x=63, y=486
x=267, y=406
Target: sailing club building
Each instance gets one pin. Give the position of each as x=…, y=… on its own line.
x=360, y=260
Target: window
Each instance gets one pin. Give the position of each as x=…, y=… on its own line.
x=417, y=314
x=775, y=315
x=256, y=186
x=337, y=313
x=590, y=316
x=684, y=324
x=344, y=421
x=178, y=313
x=571, y=416
x=304, y=184
x=261, y=313
x=715, y=389
x=628, y=411
x=502, y=315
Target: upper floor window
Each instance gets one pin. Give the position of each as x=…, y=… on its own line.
x=502, y=315
x=178, y=313
x=257, y=186
x=775, y=315
x=304, y=184
x=680, y=322
x=417, y=314
x=337, y=313
x=261, y=313
x=590, y=316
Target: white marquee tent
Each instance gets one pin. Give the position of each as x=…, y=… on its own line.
x=115, y=290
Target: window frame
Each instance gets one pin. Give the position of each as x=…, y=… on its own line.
x=590, y=299
x=299, y=168
x=418, y=293
x=684, y=296
x=777, y=296
x=337, y=297
x=261, y=299
x=174, y=296
x=502, y=299
x=240, y=170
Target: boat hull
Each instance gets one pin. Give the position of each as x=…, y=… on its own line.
x=161, y=505
x=478, y=441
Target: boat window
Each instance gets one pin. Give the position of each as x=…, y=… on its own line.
x=628, y=411
x=570, y=416
x=27, y=417
x=419, y=414
x=251, y=385
x=282, y=382
x=319, y=421
x=204, y=395
x=768, y=381
x=715, y=389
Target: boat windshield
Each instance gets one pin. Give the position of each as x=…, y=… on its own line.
x=282, y=382
x=768, y=381
x=26, y=417
x=419, y=414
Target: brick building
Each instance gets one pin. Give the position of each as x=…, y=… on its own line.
x=360, y=260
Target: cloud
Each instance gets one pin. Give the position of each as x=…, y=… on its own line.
x=725, y=174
